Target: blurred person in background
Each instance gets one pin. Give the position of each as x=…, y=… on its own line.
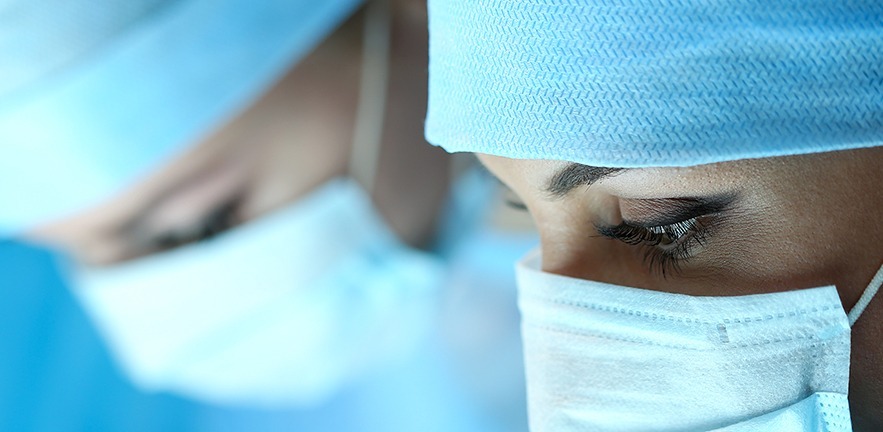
x=246, y=233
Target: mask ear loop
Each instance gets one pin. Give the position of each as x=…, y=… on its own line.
x=866, y=297
x=371, y=109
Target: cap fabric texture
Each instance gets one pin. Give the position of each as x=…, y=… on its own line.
x=94, y=93
x=633, y=83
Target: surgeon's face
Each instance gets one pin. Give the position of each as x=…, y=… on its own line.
x=294, y=138
x=733, y=228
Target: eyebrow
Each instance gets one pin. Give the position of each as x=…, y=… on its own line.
x=575, y=175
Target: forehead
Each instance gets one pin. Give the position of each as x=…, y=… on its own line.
x=532, y=177
x=522, y=173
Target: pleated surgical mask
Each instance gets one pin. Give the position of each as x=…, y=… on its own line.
x=638, y=84
x=602, y=357
x=284, y=310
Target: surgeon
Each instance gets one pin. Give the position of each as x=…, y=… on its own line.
x=706, y=180
x=236, y=226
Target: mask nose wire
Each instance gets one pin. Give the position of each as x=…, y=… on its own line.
x=866, y=297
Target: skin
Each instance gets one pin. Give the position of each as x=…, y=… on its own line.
x=295, y=137
x=797, y=222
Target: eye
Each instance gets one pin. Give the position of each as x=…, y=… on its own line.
x=214, y=223
x=510, y=198
x=666, y=247
x=516, y=204
x=671, y=235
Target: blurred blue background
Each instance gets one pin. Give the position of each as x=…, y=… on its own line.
x=55, y=375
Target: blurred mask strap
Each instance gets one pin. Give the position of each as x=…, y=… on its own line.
x=866, y=297
x=373, y=87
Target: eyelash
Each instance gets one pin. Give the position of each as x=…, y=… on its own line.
x=666, y=246
x=216, y=222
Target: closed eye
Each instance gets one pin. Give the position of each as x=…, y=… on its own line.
x=670, y=231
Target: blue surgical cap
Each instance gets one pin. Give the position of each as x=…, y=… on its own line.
x=95, y=93
x=633, y=83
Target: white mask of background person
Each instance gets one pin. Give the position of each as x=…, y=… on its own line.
x=294, y=139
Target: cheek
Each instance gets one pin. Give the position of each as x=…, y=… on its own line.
x=805, y=235
x=592, y=259
x=566, y=240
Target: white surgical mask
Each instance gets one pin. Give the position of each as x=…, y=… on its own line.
x=603, y=357
x=281, y=311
